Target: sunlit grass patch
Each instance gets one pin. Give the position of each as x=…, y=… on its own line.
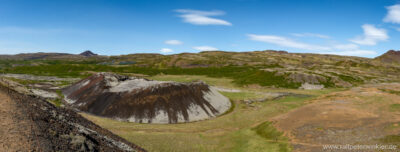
x=268, y=131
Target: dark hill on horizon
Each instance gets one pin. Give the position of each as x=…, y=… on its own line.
x=88, y=53
x=50, y=56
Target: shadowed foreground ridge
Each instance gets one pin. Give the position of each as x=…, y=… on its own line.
x=49, y=128
x=145, y=101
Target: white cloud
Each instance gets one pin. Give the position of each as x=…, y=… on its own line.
x=202, y=17
x=349, y=50
x=311, y=35
x=173, y=42
x=205, y=48
x=285, y=42
x=393, y=15
x=372, y=35
x=352, y=53
x=166, y=50
x=337, y=49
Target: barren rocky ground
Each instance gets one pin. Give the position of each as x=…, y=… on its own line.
x=32, y=124
x=16, y=128
x=362, y=115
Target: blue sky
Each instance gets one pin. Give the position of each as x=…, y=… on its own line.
x=365, y=28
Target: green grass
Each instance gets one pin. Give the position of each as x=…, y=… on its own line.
x=58, y=101
x=233, y=131
x=25, y=82
x=222, y=82
x=395, y=107
x=267, y=131
x=391, y=139
x=243, y=75
x=242, y=95
x=391, y=91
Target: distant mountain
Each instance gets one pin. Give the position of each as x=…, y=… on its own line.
x=391, y=56
x=88, y=53
x=53, y=56
x=37, y=56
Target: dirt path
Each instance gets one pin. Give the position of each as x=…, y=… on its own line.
x=15, y=126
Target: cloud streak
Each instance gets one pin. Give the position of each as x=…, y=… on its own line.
x=166, y=50
x=173, y=42
x=337, y=49
x=205, y=48
x=197, y=17
x=351, y=53
x=311, y=35
x=286, y=42
x=371, y=36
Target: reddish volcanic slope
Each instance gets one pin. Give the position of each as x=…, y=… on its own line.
x=390, y=57
x=145, y=101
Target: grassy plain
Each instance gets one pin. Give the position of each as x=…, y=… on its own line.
x=243, y=129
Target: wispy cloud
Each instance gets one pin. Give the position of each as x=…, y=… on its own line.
x=205, y=48
x=286, y=42
x=371, y=36
x=393, y=15
x=197, y=17
x=352, y=53
x=173, y=42
x=166, y=50
x=311, y=35
x=349, y=50
x=336, y=49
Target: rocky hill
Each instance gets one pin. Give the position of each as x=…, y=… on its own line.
x=145, y=101
x=88, y=53
x=391, y=56
x=265, y=68
x=49, y=56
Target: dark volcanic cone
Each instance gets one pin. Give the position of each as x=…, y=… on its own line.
x=88, y=53
x=145, y=101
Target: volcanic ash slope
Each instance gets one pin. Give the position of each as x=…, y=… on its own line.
x=145, y=101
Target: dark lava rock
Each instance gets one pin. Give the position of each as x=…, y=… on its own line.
x=88, y=53
x=145, y=101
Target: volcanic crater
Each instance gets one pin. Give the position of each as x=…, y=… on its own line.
x=141, y=100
